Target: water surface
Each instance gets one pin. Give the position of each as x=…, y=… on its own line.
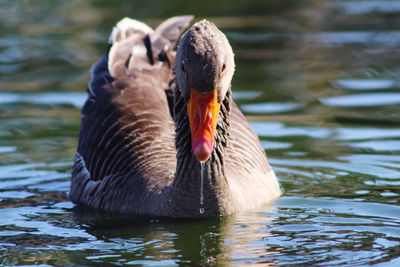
x=319, y=82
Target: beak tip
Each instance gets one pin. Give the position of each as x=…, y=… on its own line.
x=202, y=150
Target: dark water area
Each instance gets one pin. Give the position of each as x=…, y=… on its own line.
x=319, y=82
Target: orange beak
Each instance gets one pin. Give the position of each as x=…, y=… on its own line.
x=203, y=109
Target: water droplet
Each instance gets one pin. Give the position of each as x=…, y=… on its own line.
x=201, y=187
x=159, y=192
x=152, y=186
x=212, y=35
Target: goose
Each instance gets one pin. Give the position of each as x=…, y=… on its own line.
x=160, y=133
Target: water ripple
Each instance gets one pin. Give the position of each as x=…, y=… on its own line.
x=362, y=7
x=362, y=100
x=354, y=165
x=366, y=84
x=270, y=107
x=369, y=38
x=76, y=99
x=278, y=129
x=364, y=133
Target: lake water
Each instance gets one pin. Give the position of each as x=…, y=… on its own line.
x=319, y=81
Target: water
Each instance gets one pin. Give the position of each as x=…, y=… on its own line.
x=201, y=209
x=319, y=82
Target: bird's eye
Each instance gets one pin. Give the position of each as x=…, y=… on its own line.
x=223, y=67
x=183, y=67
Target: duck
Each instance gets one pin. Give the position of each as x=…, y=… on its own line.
x=160, y=133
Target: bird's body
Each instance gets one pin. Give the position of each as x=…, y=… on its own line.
x=135, y=147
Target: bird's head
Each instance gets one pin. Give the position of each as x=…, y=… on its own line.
x=204, y=68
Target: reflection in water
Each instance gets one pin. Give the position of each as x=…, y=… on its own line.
x=366, y=84
x=355, y=7
x=342, y=232
x=319, y=82
x=269, y=107
x=391, y=39
x=217, y=240
x=363, y=100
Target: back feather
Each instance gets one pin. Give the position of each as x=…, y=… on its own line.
x=126, y=113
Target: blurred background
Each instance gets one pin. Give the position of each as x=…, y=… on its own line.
x=318, y=80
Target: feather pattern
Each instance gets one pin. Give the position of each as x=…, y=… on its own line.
x=134, y=152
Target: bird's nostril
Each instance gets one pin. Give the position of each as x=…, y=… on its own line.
x=209, y=121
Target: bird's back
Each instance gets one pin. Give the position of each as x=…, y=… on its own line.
x=126, y=144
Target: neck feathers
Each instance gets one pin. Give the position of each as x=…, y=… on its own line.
x=188, y=172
